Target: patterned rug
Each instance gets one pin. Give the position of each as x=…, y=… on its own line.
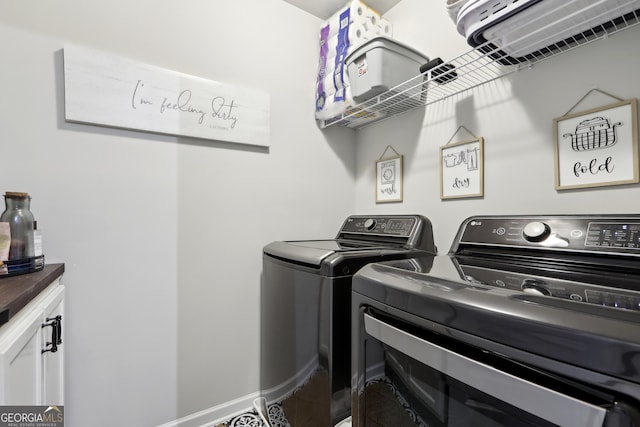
x=252, y=419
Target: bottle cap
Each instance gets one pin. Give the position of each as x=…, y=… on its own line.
x=16, y=195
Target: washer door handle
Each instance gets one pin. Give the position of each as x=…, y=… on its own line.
x=545, y=403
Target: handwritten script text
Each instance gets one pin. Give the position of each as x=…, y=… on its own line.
x=218, y=110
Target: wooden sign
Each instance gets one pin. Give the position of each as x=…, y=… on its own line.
x=112, y=91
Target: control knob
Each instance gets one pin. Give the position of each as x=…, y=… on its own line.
x=535, y=287
x=370, y=224
x=536, y=231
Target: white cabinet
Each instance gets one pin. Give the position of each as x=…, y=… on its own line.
x=30, y=372
x=53, y=361
x=19, y=359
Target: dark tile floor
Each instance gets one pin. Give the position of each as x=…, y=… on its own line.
x=389, y=408
x=300, y=409
x=252, y=419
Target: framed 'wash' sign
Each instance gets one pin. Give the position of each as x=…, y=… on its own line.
x=598, y=147
x=389, y=180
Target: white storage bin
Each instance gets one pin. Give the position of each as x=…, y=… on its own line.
x=381, y=64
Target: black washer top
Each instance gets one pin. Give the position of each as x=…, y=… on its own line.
x=361, y=240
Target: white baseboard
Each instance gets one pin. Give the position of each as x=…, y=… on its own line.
x=217, y=414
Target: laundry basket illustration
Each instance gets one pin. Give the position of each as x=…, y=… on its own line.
x=593, y=134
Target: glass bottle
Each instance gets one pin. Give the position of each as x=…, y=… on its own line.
x=20, y=220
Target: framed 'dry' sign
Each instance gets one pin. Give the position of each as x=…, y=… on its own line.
x=597, y=147
x=462, y=169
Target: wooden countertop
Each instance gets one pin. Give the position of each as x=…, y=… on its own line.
x=17, y=291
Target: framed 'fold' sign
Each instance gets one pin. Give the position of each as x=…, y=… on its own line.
x=598, y=147
x=108, y=90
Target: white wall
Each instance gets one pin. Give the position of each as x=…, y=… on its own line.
x=162, y=236
x=514, y=115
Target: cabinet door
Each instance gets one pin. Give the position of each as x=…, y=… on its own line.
x=29, y=376
x=53, y=362
x=20, y=375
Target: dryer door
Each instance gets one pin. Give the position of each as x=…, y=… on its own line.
x=416, y=378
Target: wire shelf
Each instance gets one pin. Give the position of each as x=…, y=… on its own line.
x=486, y=63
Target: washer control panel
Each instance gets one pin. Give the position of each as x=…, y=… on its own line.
x=410, y=231
x=399, y=226
x=611, y=233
